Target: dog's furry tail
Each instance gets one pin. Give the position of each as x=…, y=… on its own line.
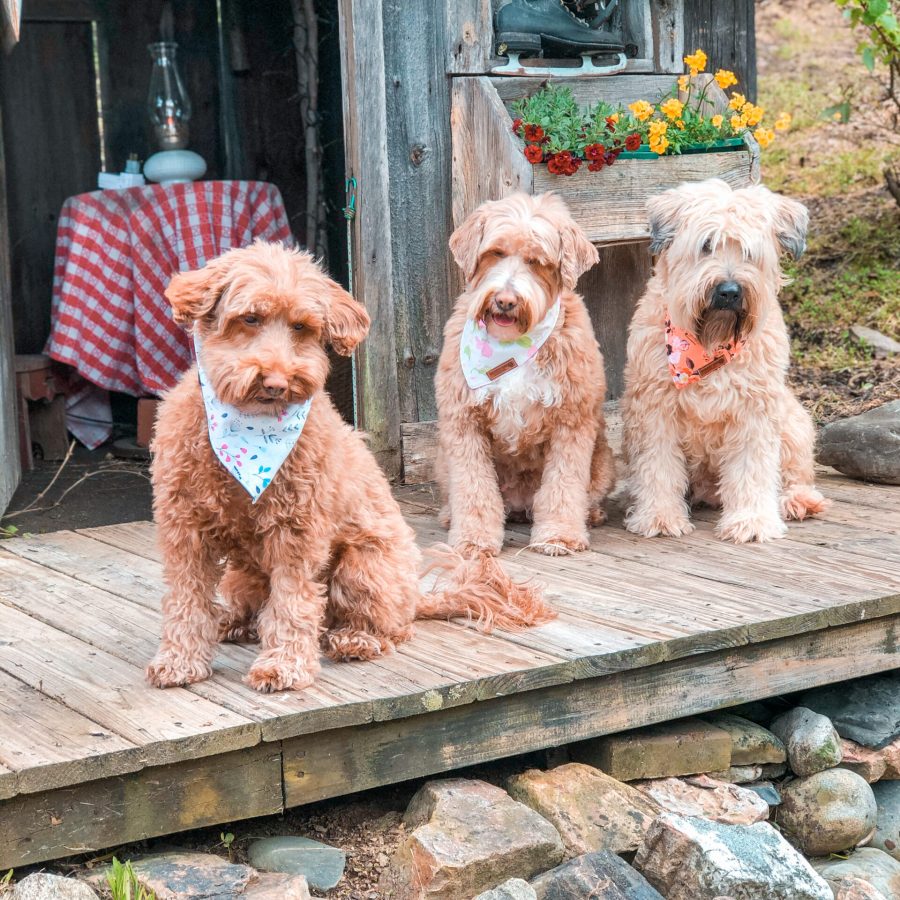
x=479, y=590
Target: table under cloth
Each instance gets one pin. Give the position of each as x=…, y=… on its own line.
x=115, y=253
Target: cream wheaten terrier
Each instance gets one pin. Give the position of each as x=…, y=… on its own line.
x=520, y=383
x=708, y=415
x=262, y=489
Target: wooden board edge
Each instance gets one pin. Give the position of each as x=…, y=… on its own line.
x=323, y=765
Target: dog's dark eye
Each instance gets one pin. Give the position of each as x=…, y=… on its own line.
x=532, y=261
x=298, y=326
x=707, y=245
x=499, y=254
x=251, y=320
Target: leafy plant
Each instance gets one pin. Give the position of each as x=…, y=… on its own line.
x=227, y=839
x=124, y=884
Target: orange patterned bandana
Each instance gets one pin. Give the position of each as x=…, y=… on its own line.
x=689, y=361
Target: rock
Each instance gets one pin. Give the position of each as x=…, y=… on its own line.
x=683, y=747
x=868, y=764
x=466, y=837
x=855, y=889
x=703, y=796
x=812, y=743
x=880, y=343
x=598, y=876
x=864, y=446
x=866, y=710
x=887, y=826
x=751, y=744
x=322, y=865
x=891, y=756
x=766, y=790
x=514, y=889
x=277, y=886
x=43, y=886
x=867, y=864
x=773, y=770
x=589, y=809
x=694, y=859
x=827, y=812
x=738, y=774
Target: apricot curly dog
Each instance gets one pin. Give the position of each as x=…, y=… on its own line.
x=322, y=555
x=708, y=413
x=520, y=383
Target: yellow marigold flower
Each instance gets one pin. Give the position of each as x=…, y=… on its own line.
x=754, y=115
x=641, y=110
x=660, y=146
x=683, y=82
x=725, y=79
x=672, y=108
x=658, y=129
x=696, y=61
x=737, y=101
x=717, y=121
x=764, y=136
x=613, y=118
x=783, y=122
x=737, y=123
x=680, y=124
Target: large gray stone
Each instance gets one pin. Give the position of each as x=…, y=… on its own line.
x=589, y=809
x=43, y=886
x=867, y=864
x=514, y=889
x=827, y=812
x=322, y=865
x=751, y=744
x=467, y=837
x=694, y=859
x=700, y=795
x=866, y=710
x=864, y=446
x=598, y=876
x=887, y=827
x=880, y=343
x=812, y=743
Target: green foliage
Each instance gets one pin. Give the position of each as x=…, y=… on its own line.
x=124, y=884
x=8, y=531
x=227, y=839
x=6, y=879
x=877, y=21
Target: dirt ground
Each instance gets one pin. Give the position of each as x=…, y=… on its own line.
x=851, y=273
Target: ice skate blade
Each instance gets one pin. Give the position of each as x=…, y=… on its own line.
x=588, y=68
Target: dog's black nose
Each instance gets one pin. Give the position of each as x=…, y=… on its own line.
x=727, y=295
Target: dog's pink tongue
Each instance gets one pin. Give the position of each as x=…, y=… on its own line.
x=505, y=320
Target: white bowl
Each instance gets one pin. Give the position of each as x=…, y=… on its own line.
x=174, y=166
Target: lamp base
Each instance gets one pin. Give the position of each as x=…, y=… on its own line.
x=174, y=166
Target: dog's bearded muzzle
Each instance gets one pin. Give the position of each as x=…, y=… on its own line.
x=725, y=316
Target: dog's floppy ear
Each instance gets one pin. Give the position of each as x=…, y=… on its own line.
x=577, y=254
x=346, y=321
x=791, y=224
x=466, y=241
x=663, y=211
x=194, y=294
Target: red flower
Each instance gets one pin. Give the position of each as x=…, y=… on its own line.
x=632, y=142
x=594, y=151
x=563, y=163
x=596, y=165
x=534, y=154
x=533, y=133
x=574, y=165
x=554, y=166
x=517, y=124
x=610, y=123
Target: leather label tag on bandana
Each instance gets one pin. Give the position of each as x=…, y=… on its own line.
x=502, y=369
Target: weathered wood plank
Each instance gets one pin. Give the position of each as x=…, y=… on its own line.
x=622, y=89
x=667, y=18
x=321, y=766
x=469, y=39
x=366, y=128
x=161, y=800
x=487, y=159
x=727, y=32
x=11, y=470
x=46, y=745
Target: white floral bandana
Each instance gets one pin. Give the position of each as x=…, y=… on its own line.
x=484, y=358
x=251, y=447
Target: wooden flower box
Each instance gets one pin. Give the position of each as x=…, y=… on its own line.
x=611, y=204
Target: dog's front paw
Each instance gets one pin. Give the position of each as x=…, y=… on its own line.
x=654, y=524
x=269, y=675
x=473, y=550
x=744, y=528
x=801, y=501
x=166, y=670
x=558, y=545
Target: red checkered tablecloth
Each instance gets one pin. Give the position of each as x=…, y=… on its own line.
x=115, y=253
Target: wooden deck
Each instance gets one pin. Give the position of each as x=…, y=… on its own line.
x=648, y=630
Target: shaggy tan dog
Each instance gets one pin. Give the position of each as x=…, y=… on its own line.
x=531, y=443
x=707, y=411
x=324, y=553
